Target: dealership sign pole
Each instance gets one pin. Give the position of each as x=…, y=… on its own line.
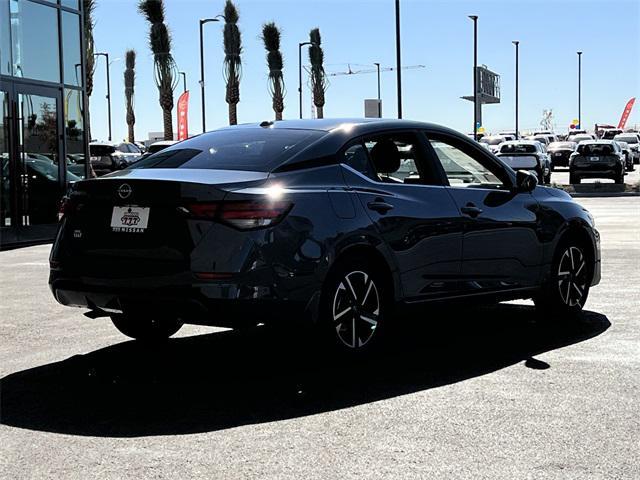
x=183, y=115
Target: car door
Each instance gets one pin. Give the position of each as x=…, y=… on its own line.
x=417, y=219
x=500, y=248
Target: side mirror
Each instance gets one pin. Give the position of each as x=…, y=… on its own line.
x=525, y=181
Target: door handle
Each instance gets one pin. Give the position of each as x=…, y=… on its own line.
x=379, y=206
x=471, y=210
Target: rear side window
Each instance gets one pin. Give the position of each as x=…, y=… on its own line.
x=254, y=149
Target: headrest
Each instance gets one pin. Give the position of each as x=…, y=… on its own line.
x=385, y=157
x=606, y=150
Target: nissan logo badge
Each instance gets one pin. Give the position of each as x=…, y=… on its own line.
x=124, y=190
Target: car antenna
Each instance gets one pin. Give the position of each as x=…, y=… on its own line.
x=266, y=123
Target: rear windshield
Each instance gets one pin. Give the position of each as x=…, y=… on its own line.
x=595, y=149
x=101, y=150
x=255, y=149
x=571, y=145
x=518, y=148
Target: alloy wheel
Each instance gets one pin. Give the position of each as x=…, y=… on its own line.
x=356, y=309
x=572, y=276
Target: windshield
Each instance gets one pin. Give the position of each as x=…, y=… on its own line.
x=254, y=149
x=626, y=138
x=557, y=145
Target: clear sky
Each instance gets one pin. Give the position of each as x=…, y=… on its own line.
x=436, y=33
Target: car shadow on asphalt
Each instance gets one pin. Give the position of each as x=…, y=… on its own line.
x=228, y=379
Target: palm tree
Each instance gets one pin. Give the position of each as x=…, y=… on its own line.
x=271, y=39
x=318, y=77
x=89, y=7
x=232, y=62
x=129, y=83
x=166, y=71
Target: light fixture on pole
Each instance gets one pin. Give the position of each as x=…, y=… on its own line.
x=202, y=22
x=398, y=60
x=579, y=89
x=377, y=64
x=517, y=132
x=475, y=76
x=106, y=56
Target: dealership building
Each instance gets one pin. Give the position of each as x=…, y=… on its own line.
x=43, y=145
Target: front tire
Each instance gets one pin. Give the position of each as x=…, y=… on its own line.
x=619, y=178
x=354, y=307
x=574, y=179
x=565, y=292
x=145, y=328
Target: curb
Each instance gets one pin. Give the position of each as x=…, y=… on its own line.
x=604, y=194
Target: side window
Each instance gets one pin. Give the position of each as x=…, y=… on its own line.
x=394, y=158
x=463, y=170
x=357, y=157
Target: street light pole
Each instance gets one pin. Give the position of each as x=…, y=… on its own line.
x=377, y=64
x=300, y=45
x=202, y=107
x=106, y=55
x=184, y=81
x=475, y=76
x=580, y=89
x=517, y=43
x=398, y=60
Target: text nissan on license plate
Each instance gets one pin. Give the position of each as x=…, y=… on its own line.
x=129, y=219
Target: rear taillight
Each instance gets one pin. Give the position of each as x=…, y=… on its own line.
x=242, y=214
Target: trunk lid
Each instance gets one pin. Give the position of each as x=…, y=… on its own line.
x=162, y=237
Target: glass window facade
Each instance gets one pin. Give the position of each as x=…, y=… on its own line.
x=34, y=41
x=43, y=145
x=71, y=48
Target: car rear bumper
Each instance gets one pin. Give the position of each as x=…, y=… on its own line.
x=207, y=303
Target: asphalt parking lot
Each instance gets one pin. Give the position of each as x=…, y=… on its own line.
x=479, y=393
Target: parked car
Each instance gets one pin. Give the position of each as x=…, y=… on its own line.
x=610, y=133
x=494, y=141
x=527, y=155
x=597, y=159
x=559, y=153
x=156, y=147
x=542, y=139
x=102, y=157
x=633, y=140
x=127, y=154
x=581, y=137
x=314, y=221
x=628, y=155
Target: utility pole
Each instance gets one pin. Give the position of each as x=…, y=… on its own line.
x=398, y=60
x=106, y=55
x=580, y=89
x=517, y=43
x=202, y=22
x=475, y=76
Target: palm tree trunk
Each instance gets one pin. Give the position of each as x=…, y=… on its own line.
x=131, y=134
x=233, y=114
x=278, y=115
x=320, y=112
x=167, y=118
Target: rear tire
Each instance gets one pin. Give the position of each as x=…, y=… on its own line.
x=565, y=292
x=619, y=178
x=574, y=179
x=144, y=328
x=355, y=306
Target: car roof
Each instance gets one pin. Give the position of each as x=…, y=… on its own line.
x=521, y=142
x=103, y=144
x=165, y=142
x=601, y=141
x=330, y=124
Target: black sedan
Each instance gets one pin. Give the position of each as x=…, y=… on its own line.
x=559, y=153
x=327, y=222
